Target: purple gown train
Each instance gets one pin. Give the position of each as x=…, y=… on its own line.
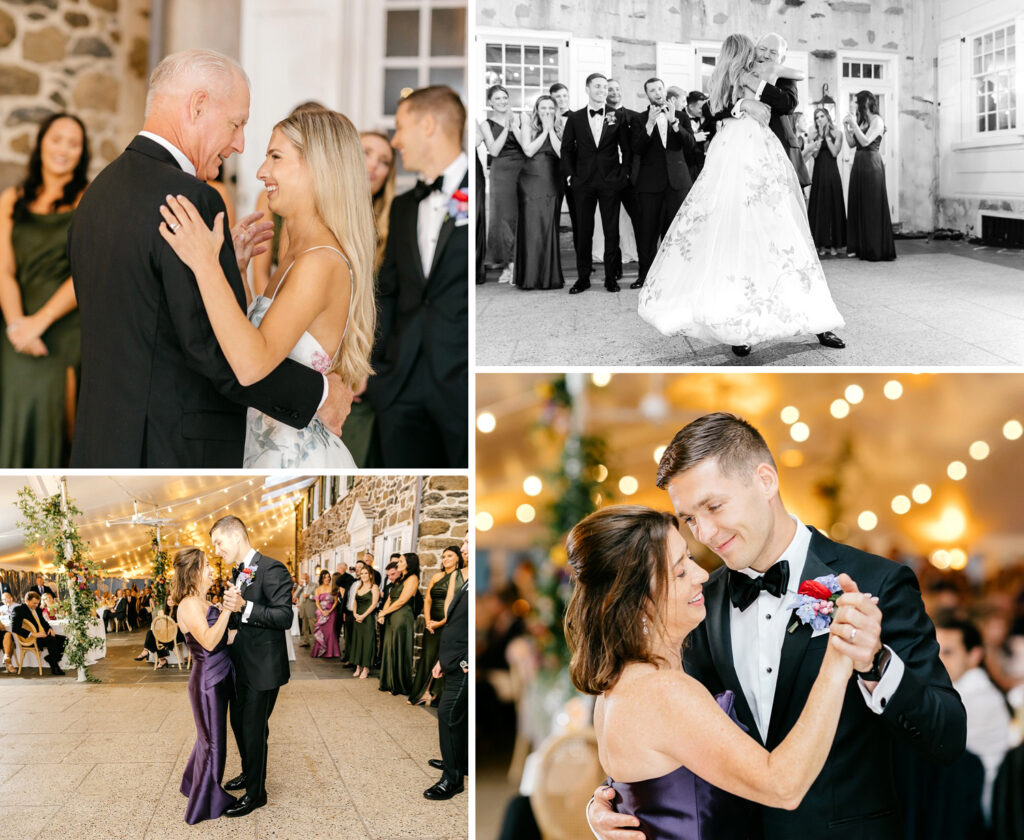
x=209, y=688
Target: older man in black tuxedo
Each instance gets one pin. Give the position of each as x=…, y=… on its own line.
x=28, y=622
x=697, y=122
x=661, y=174
x=721, y=479
x=596, y=158
x=421, y=355
x=156, y=389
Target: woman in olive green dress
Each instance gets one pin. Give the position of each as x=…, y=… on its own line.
x=367, y=596
x=396, y=656
x=439, y=595
x=41, y=352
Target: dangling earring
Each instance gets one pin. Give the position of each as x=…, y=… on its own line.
x=644, y=620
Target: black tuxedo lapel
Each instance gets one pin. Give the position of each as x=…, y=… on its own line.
x=447, y=227
x=410, y=234
x=793, y=648
x=717, y=621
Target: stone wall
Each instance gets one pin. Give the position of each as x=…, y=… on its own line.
x=906, y=28
x=89, y=57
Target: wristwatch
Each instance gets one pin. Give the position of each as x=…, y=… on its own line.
x=878, y=666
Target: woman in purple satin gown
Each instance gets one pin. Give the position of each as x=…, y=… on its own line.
x=210, y=685
x=680, y=764
x=325, y=631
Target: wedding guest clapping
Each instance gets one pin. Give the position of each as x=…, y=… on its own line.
x=869, y=225
x=41, y=353
x=396, y=658
x=538, y=264
x=825, y=209
x=501, y=133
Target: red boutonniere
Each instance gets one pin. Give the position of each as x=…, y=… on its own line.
x=458, y=206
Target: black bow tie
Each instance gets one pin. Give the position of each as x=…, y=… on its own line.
x=423, y=189
x=743, y=590
x=594, y=113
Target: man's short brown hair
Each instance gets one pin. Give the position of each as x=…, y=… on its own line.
x=443, y=103
x=736, y=444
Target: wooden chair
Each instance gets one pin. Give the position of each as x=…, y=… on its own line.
x=568, y=770
x=165, y=631
x=28, y=645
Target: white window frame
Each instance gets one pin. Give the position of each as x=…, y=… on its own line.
x=969, y=80
x=531, y=37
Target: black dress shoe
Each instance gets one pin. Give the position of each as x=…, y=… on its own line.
x=237, y=783
x=637, y=284
x=436, y=763
x=444, y=789
x=579, y=286
x=56, y=670
x=830, y=339
x=741, y=349
x=245, y=805
x=611, y=285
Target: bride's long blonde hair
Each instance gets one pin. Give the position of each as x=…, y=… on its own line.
x=331, y=148
x=736, y=57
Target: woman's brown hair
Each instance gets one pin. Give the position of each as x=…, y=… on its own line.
x=619, y=562
x=382, y=203
x=188, y=571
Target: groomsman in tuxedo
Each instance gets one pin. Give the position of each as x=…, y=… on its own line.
x=596, y=157
x=421, y=354
x=560, y=93
x=156, y=389
x=661, y=175
x=628, y=195
x=696, y=120
x=260, y=595
x=28, y=622
x=722, y=482
x=674, y=96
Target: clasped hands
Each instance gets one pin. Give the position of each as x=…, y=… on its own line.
x=857, y=625
x=25, y=336
x=233, y=600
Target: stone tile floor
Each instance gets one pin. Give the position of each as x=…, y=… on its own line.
x=938, y=304
x=92, y=761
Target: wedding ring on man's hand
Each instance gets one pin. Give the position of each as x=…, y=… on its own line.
x=174, y=227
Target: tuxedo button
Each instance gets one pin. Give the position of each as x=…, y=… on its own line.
x=882, y=702
x=769, y=669
x=768, y=617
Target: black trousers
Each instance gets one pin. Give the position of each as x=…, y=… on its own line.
x=589, y=196
x=422, y=428
x=250, y=712
x=656, y=211
x=565, y=190
x=453, y=725
x=54, y=647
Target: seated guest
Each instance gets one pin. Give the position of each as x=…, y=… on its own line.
x=988, y=720
x=49, y=607
x=161, y=651
x=119, y=612
x=28, y=622
x=7, y=620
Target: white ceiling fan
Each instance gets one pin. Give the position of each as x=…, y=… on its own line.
x=142, y=518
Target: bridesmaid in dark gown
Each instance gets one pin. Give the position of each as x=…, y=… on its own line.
x=506, y=158
x=869, y=225
x=439, y=595
x=537, y=261
x=367, y=596
x=825, y=210
x=683, y=768
x=210, y=685
x=396, y=655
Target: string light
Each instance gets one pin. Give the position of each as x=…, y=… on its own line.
x=628, y=485
x=790, y=414
x=525, y=513
x=979, y=450
x=601, y=378
x=900, y=505
x=893, y=390
x=839, y=409
x=1012, y=430
x=486, y=423
x=854, y=394
x=799, y=432
x=532, y=485
x=659, y=453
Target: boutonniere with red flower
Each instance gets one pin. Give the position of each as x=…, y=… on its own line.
x=248, y=575
x=458, y=206
x=815, y=603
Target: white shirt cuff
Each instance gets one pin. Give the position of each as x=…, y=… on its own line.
x=323, y=399
x=885, y=687
x=760, y=88
x=248, y=610
x=586, y=813
x=736, y=112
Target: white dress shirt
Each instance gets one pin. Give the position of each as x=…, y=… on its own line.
x=246, y=563
x=434, y=208
x=185, y=164
x=661, y=121
x=596, y=123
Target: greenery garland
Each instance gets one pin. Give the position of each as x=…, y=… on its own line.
x=159, y=574
x=51, y=529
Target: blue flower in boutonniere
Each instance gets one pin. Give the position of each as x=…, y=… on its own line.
x=815, y=602
x=458, y=205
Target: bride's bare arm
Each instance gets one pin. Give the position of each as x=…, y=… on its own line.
x=251, y=352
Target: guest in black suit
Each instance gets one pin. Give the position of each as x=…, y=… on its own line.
x=41, y=588
x=721, y=479
x=560, y=93
x=452, y=713
x=261, y=597
x=156, y=389
x=596, y=157
x=627, y=196
x=28, y=621
x=661, y=174
x=340, y=583
x=421, y=355
x=696, y=120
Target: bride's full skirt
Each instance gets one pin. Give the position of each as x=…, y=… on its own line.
x=738, y=264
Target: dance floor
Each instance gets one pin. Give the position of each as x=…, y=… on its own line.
x=105, y=761
x=939, y=303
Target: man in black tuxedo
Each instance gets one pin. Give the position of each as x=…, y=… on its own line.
x=627, y=197
x=342, y=580
x=696, y=121
x=390, y=576
x=560, y=93
x=452, y=712
x=260, y=595
x=119, y=612
x=421, y=354
x=156, y=389
x=661, y=173
x=722, y=482
x=41, y=588
x=596, y=158
x=28, y=622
